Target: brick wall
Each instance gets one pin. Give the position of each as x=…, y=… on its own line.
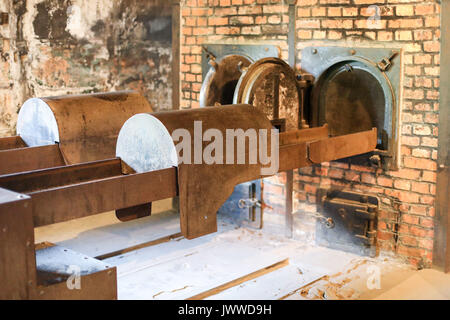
x=225, y=21
x=407, y=196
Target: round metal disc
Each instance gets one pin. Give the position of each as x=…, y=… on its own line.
x=270, y=85
x=145, y=144
x=36, y=123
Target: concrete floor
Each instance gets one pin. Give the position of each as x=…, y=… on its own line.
x=180, y=268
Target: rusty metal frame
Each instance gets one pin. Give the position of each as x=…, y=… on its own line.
x=441, y=248
x=67, y=192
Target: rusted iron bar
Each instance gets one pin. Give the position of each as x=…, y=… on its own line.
x=14, y=142
x=97, y=196
x=28, y=159
x=342, y=146
x=303, y=135
x=26, y=182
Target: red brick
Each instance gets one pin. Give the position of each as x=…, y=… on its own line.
x=424, y=9
x=306, y=3
x=432, y=21
x=426, y=244
x=274, y=8
x=427, y=222
x=423, y=35
x=251, y=30
x=408, y=197
x=334, y=35
x=422, y=59
x=334, y=11
x=417, y=163
x=409, y=241
x=402, y=184
x=306, y=12
x=429, y=176
x=405, y=23
x=424, y=199
x=368, y=178
x=352, y=12
x=352, y=176
x=410, y=252
x=405, y=174
x=407, y=218
x=421, y=153
x=336, y=173
x=413, y=71
x=308, y=24
x=244, y=10
x=418, y=210
x=370, y=24
x=217, y=21
x=429, y=142
x=385, y=182
x=431, y=46
x=419, y=232
x=227, y=30
x=404, y=10
x=385, y=36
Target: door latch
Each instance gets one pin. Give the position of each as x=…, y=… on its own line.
x=386, y=63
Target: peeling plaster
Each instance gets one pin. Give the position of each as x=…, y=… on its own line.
x=57, y=47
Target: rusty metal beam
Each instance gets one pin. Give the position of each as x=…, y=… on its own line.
x=28, y=159
x=303, y=135
x=14, y=142
x=97, y=196
x=17, y=258
x=342, y=146
x=26, y=182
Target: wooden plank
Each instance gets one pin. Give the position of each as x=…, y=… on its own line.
x=30, y=181
x=14, y=142
x=28, y=159
x=92, y=197
x=342, y=146
x=240, y=280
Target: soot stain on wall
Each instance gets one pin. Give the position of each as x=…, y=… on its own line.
x=77, y=46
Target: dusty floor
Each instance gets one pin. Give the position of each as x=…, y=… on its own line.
x=180, y=268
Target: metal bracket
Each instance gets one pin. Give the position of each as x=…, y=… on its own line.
x=386, y=63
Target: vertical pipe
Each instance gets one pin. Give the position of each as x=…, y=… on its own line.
x=176, y=17
x=289, y=187
x=441, y=248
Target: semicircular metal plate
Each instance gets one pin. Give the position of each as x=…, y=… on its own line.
x=220, y=81
x=36, y=123
x=145, y=144
x=270, y=85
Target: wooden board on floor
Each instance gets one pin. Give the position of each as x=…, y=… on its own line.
x=240, y=280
